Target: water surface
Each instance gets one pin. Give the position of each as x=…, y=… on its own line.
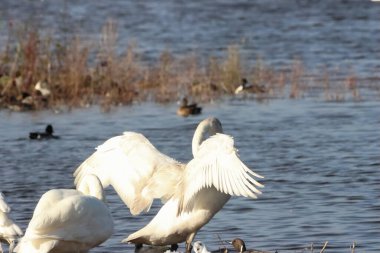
x=339, y=34
x=320, y=161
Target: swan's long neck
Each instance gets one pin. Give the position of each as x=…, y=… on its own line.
x=209, y=126
x=91, y=185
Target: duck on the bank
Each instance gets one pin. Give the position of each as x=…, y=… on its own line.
x=68, y=220
x=193, y=193
x=48, y=134
x=186, y=109
x=42, y=87
x=251, y=88
x=240, y=247
x=9, y=231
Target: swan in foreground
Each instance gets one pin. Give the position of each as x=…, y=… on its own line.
x=9, y=231
x=68, y=220
x=199, y=247
x=193, y=193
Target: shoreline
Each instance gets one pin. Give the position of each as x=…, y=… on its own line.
x=38, y=72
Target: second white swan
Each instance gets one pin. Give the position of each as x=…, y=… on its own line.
x=68, y=220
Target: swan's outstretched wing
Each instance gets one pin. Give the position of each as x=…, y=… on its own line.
x=217, y=164
x=3, y=205
x=135, y=168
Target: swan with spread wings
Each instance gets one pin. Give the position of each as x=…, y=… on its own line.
x=192, y=193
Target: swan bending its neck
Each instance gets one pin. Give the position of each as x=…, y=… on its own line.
x=68, y=220
x=90, y=185
x=209, y=126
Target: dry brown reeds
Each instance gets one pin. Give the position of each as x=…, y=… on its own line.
x=80, y=73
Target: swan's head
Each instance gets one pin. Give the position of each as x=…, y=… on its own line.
x=91, y=185
x=210, y=126
x=206, y=128
x=199, y=247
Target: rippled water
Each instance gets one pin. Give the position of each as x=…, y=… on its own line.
x=321, y=163
x=333, y=33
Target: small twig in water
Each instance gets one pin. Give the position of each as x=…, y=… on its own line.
x=222, y=246
x=324, y=247
x=353, y=247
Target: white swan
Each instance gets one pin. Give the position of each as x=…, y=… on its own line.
x=199, y=247
x=9, y=231
x=193, y=193
x=68, y=220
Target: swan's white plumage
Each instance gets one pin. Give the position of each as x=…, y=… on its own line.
x=3, y=205
x=9, y=230
x=134, y=167
x=194, y=192
x=217, y=164
x=67, y=220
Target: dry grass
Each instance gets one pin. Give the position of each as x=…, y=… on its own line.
x=81, y=73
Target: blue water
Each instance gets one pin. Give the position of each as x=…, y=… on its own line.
x=320, y=161
x=337, y=34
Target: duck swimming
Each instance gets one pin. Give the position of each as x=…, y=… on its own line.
x=251, y=88
x=193, y=193
x=68, y=220
x=186, y=109
x=48, y=134
x=9, y=231
x=239, y=246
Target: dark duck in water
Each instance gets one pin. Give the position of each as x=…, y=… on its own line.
x=48, y=134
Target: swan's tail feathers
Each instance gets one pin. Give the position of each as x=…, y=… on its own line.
x=26, y=247
x=133, y=239
x=17, y=230
x=34, y=246
x=141, y=205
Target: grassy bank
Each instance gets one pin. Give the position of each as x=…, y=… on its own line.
x=73, y=72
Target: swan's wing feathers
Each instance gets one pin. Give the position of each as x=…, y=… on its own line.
x=102, y=161
x=3, y=205
x=217, y=164
x=129, y=162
